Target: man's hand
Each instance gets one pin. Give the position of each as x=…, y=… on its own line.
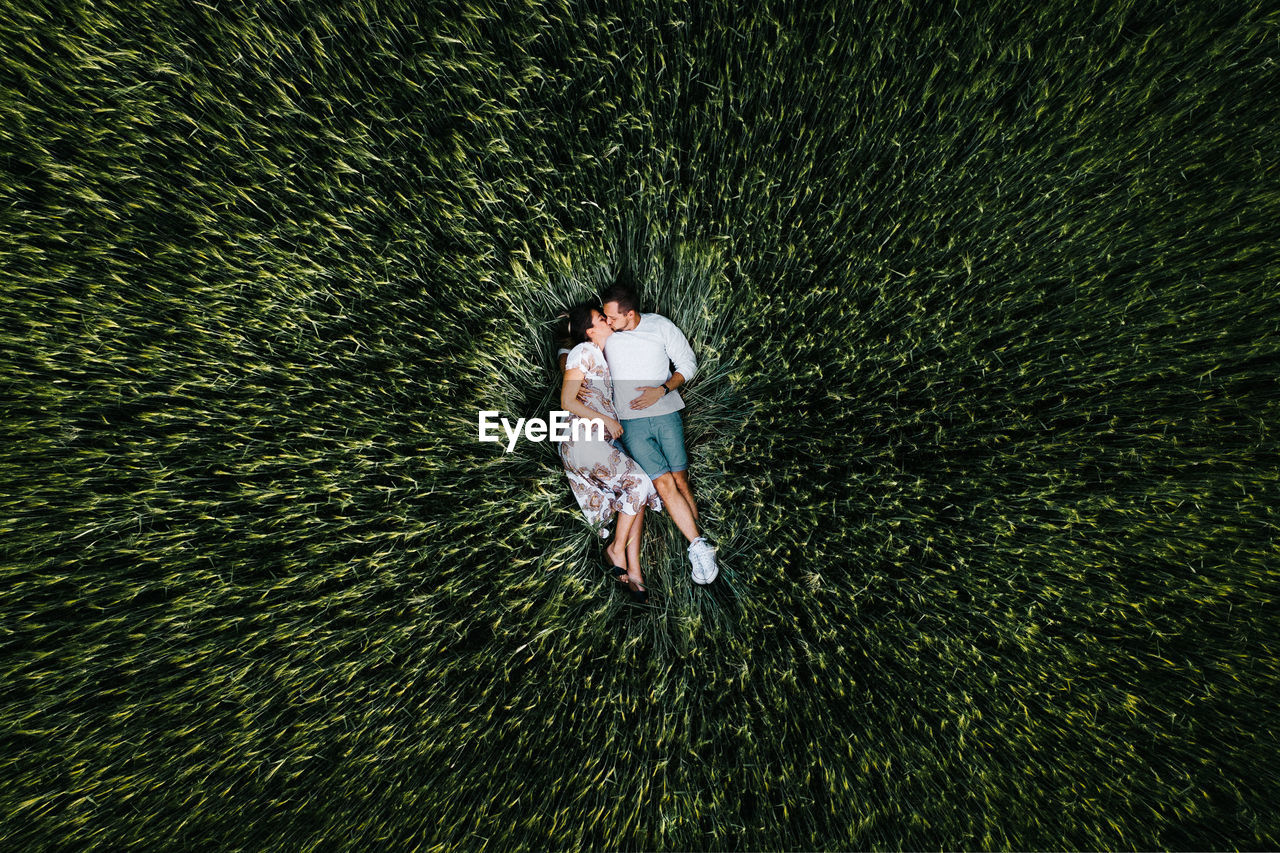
x=649, y=394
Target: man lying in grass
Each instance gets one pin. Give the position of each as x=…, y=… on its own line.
x=641, y=352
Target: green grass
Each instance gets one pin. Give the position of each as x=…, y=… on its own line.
x=985, y=299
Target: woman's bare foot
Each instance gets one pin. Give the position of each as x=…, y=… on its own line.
x=618, y=557
x=616, y=552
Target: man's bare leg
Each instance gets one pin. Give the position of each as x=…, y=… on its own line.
x=677, y=506
x=682, y=484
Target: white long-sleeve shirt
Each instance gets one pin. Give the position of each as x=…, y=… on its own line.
x=644, y=356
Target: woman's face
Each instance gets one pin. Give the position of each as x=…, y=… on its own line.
x=599, y=329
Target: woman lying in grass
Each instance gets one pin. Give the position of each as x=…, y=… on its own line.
x=604, y=479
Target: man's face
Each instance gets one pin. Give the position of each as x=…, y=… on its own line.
x=617, y=321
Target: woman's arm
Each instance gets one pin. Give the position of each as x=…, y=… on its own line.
x=564, y=362
x=569, y=401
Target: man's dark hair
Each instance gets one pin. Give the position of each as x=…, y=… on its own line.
x=580, y=321
x=623, y=294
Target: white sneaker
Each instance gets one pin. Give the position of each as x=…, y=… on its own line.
x=696, y=563
x=703, y=558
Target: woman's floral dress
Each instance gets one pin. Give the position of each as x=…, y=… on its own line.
x=603, y=478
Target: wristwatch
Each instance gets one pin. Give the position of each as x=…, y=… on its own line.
x=665, y=389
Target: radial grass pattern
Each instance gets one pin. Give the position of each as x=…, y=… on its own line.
x=985, y=301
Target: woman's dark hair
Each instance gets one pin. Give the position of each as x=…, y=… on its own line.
x=580, y=321
x=562, y=331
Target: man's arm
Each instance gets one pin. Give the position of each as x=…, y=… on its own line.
x=650, y=394
x=682, y=358
x=681, y=354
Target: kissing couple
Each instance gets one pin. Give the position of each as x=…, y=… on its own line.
x=624, y=367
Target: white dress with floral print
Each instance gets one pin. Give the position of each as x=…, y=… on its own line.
x=603, y=478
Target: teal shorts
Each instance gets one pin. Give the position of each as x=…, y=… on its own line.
x=657, y=443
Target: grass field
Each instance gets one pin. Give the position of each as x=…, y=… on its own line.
x=986, y=299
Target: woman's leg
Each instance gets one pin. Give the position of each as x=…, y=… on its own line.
x=617, y=549
x=635, y=532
